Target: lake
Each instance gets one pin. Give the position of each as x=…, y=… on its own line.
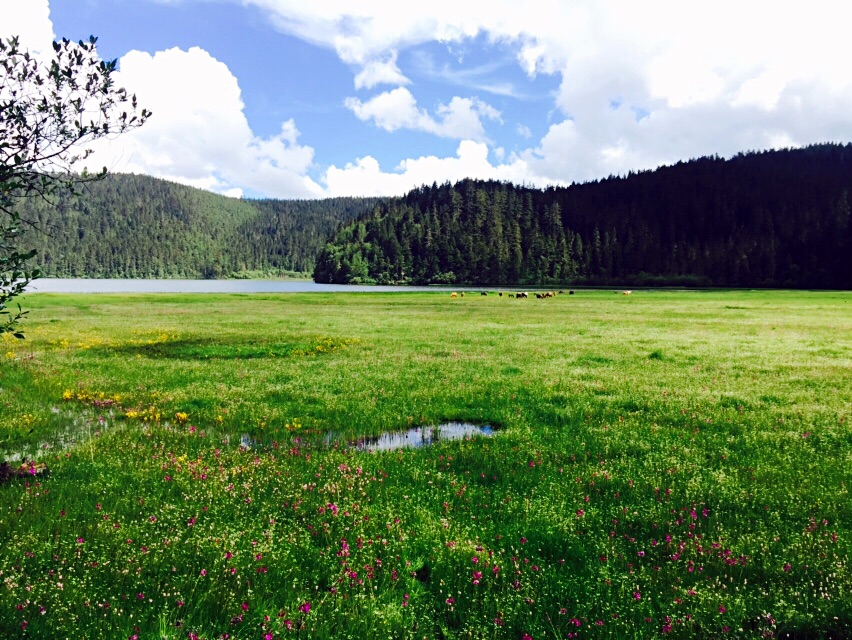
x=117, y=285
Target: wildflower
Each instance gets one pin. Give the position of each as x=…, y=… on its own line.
x=450, y=601
x=305, y=607
x=637, y=595
x=722, y=609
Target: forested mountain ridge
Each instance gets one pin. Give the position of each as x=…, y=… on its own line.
x=135, y=226
x=774, y=218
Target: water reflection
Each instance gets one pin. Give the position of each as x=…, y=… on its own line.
x=417, y=437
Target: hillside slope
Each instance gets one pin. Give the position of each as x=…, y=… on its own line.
x=137, y=226
x=777, y=218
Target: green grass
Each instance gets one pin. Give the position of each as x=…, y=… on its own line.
x=669, y=464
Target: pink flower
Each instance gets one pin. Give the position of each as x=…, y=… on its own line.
x=305, y=607
x=637, y=595
x=450, y=601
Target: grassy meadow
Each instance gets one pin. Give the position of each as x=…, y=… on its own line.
x=666, y=464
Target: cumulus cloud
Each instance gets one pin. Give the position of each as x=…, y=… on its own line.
x=30, y=21
x=380, y=71
x=691, y=79
x=199, y=134
x=641, y=84
x=397, y=109
x=365, y=177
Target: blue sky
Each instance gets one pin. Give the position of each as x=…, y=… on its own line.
x=292, y=99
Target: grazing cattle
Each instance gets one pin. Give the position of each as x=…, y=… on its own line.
x=483, y=293
x=522, y=294
x=462, y=294
x=454, y=295
x=626, y=293
x=500, y=294
x=571, y=293
x=561, y=293
x=511, y=295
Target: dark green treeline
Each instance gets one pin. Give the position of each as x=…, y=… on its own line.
x=776, y=218
x=133, y=226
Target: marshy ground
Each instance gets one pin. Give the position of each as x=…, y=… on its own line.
x=665, y=464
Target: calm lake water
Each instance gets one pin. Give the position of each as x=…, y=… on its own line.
x=417, y=437
x=95, y=285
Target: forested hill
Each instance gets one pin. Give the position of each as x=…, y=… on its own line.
x=776, y=218
x=135, y=226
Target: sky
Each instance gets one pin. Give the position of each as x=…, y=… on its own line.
x=326, y=98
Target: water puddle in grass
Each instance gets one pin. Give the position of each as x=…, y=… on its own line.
x=418, y=437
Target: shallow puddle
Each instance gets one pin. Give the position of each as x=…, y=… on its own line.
x=417, y=437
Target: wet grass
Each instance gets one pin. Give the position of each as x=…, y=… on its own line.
x=668, y=464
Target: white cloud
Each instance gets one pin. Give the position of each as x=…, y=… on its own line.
x=30, y=21
x=365, y=177
x=523, y=131
x=706, y=78
x=641, y=84
x=397, y=109
x=198, y=133
x=380, y=71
